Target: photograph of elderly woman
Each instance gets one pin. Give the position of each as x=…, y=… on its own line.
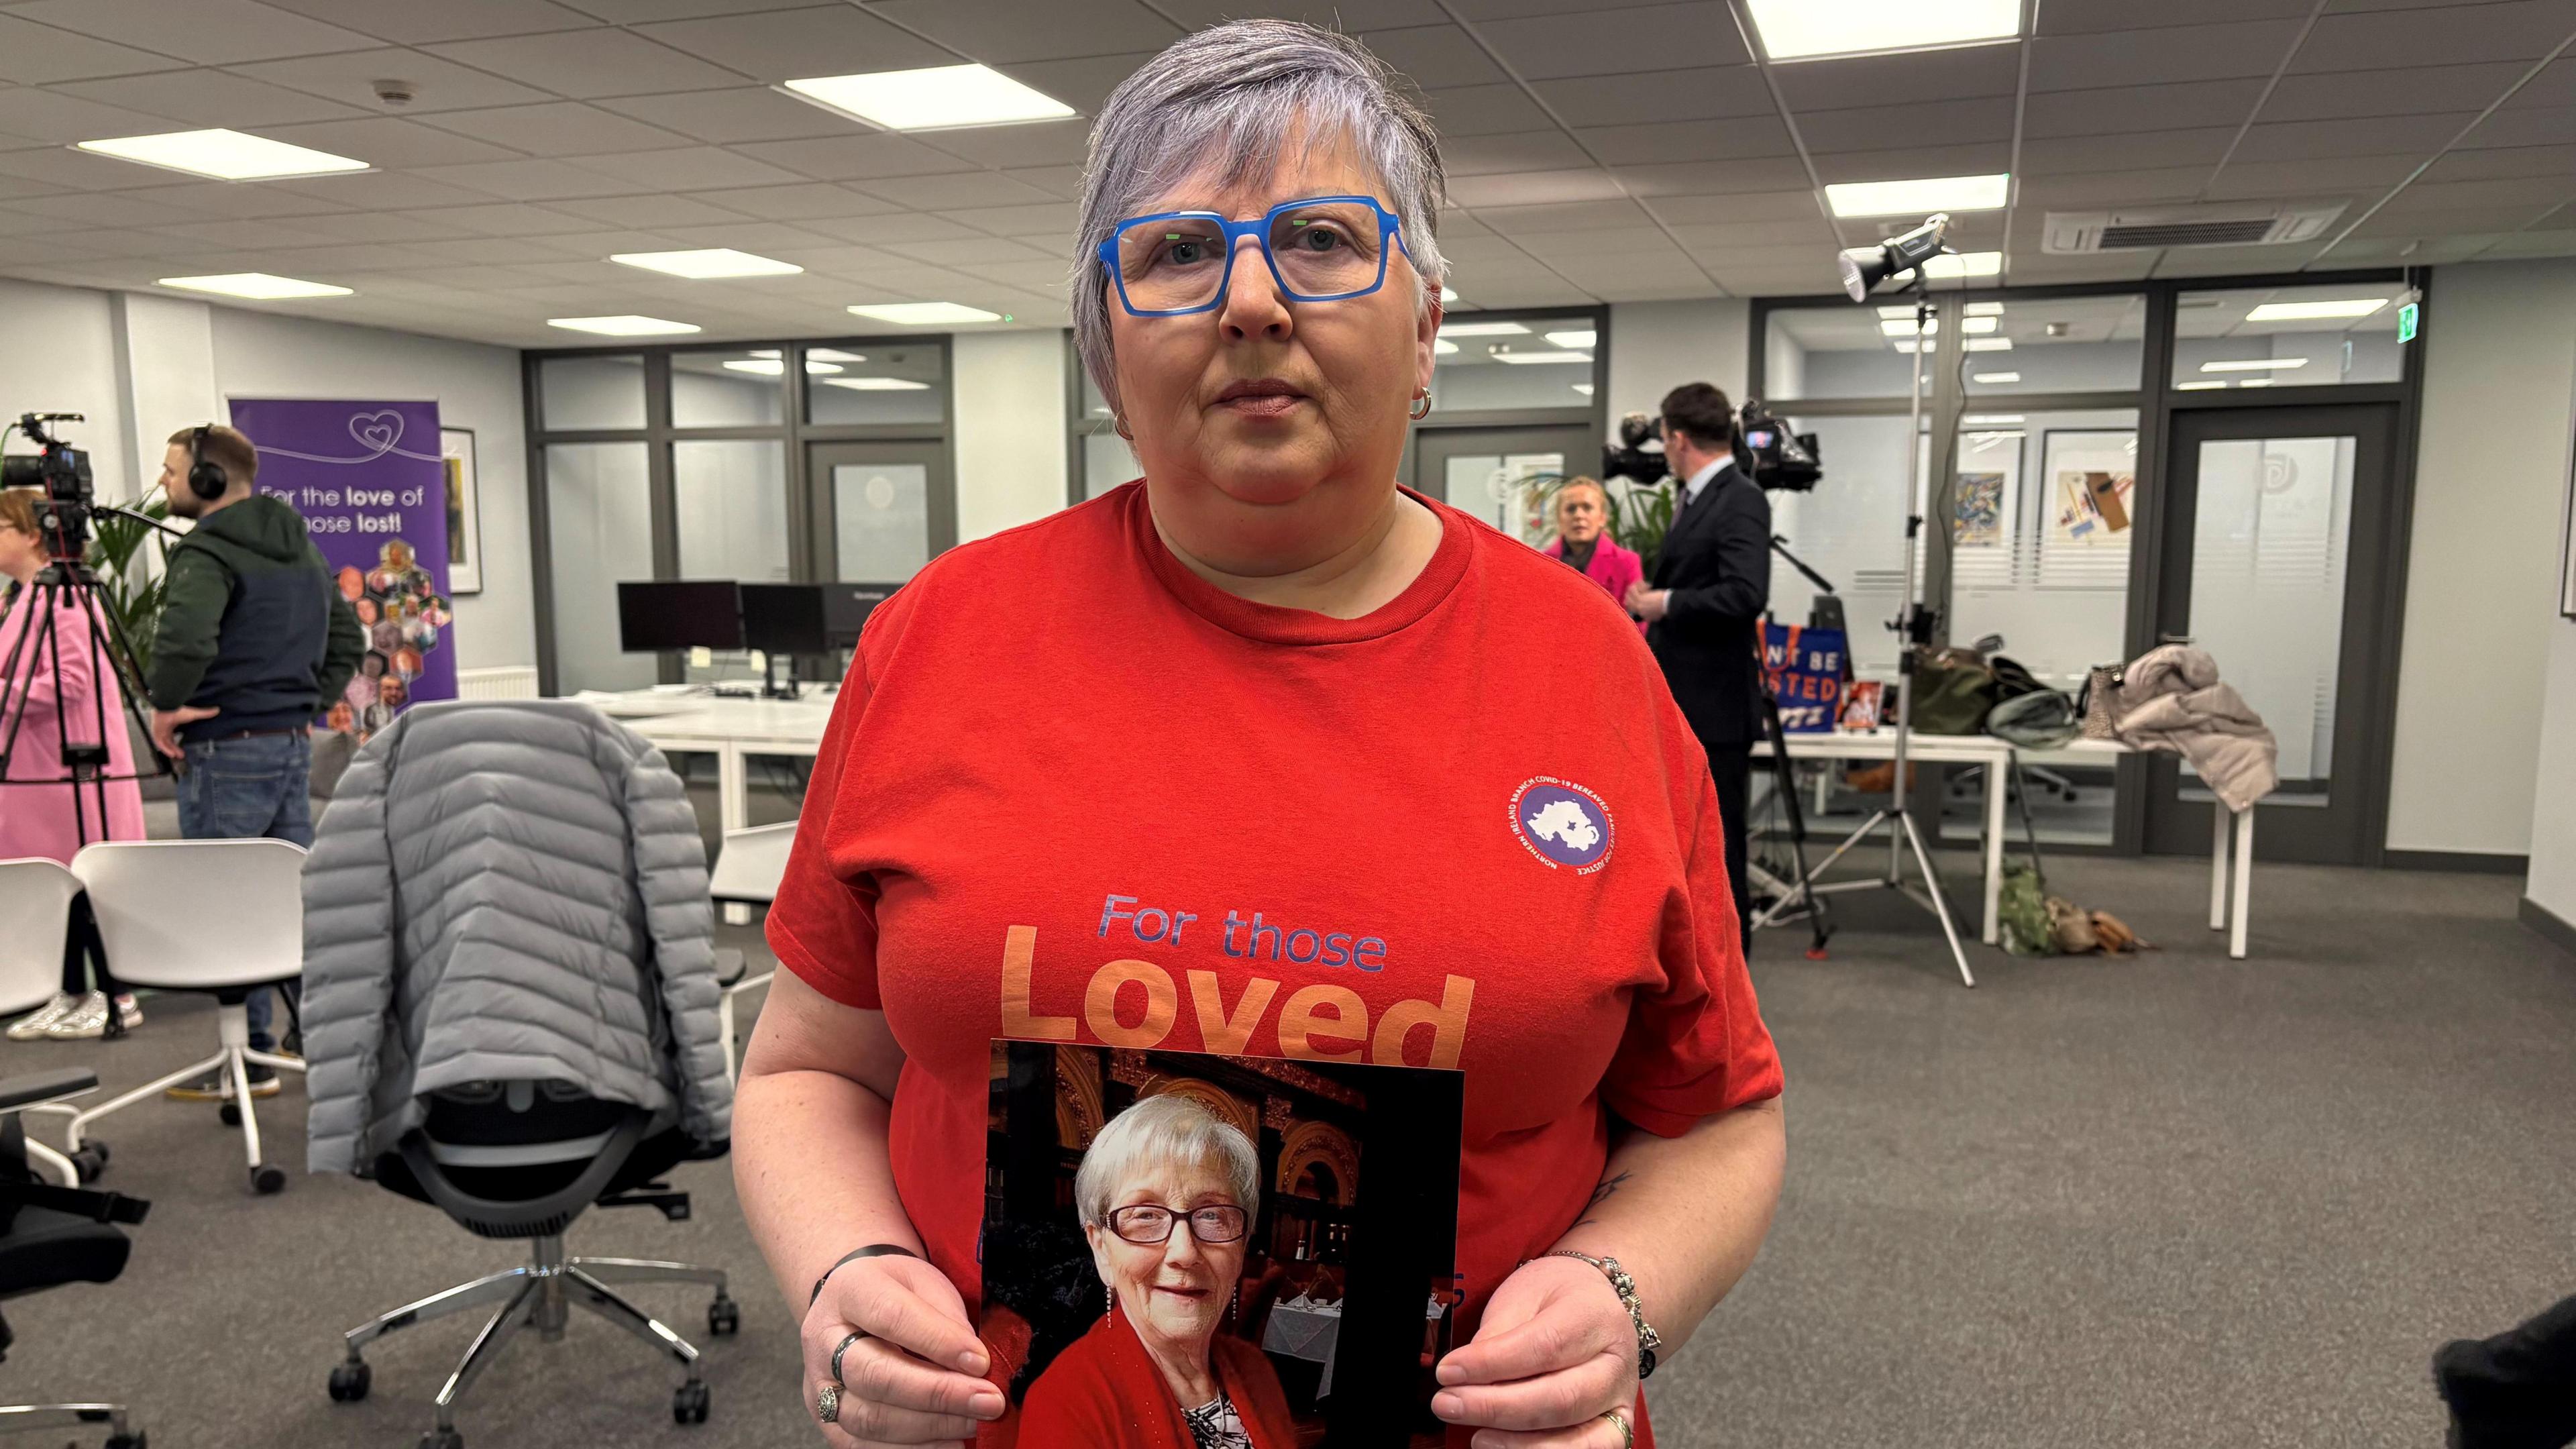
x=1185, y=1251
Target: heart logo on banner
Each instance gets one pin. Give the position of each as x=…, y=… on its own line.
x=377, y=432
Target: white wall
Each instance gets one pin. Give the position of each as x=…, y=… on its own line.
x=259, y=354
x=60, y=357
x=165, y=350
x=2552, y=884
x=1657, y=346
x=2481, y=588
x=1010, y=425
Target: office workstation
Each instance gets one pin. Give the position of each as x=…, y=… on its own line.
x=1121, y=722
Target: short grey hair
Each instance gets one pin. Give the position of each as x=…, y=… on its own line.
x=1168, y=1129
x=1234, y=93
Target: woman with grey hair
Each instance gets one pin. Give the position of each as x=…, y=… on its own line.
x=1167, y=1195
x=1253, y=756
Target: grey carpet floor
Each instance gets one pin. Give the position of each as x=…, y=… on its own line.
x=2177, y=1201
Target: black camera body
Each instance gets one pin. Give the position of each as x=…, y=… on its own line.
x=63, y=472
x=1789, y=462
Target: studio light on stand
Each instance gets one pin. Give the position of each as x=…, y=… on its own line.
x=1863, y=269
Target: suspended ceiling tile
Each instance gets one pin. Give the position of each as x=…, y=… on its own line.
x=33, y=54
x=693, y=168
x=1433, y=56
x=2357, y=136
x=557, y=128
x=2158, y=57
x=2465, y=165
x=2200, y=147
x=209, y=32
x=387, y=142
x=1462, y=111
x=512, y=219
x=1046, y=218
x=2454, y=220
x=1082, y=83
x=386, y=226
x=1604, y=41
x=960, y=190
x=2111, y=110
x=2413, y=90
x=1894, y=80
x=1665, y=95
x=781, y=45
x=244, y=199
x=1534, y=188
x=2535, y=243
x=1720, y=235
x=2523, y=30
x=350, y=77
x=2086, y=190
x=2554, y=86
x=854, y=157
x=211, y=98
x=894, y=227
x=1899, y=164
x=1798, y=205
x=2268, y=180
x=653, y=212
x=1712, y=178
x=1548, y=150
x=1059, y=143
x=2524, y=126
x=745, y=113
x=1064, y=183
x=1062, y=29
x=80, y=170
x=1740, y=138
x=798, y=202
x=532, y=180
x=1929, y=123
x=2078, y=17
x=412, y=22
x=587, y=63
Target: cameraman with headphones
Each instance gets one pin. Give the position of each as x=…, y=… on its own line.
x=254, y=640
x=1703, y=603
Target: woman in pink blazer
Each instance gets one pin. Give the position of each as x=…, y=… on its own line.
x=1582, y=513
x=38, y=819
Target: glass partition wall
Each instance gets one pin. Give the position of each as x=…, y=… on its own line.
x=2041, y=463
x=766, y=462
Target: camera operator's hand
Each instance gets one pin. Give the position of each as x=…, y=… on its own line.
x=914, y=1378
x=166, y=724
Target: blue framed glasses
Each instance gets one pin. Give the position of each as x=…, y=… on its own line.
x=1319, y=249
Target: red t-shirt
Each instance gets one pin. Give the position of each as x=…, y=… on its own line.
x=1072, y=791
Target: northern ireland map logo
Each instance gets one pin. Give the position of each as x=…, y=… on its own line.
x=1562, y=824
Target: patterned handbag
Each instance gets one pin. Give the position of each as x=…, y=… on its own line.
x=2101, y=682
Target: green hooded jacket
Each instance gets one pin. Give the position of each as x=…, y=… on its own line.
x=253, y=625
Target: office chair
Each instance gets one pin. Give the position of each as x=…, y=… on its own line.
x=522, y=1159
x=54, y=1235
x=36, y=901
x=747, y=873
x=224, y=917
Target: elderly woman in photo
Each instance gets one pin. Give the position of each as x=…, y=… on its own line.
x=1252, y=756
x=1167, y=1195
x=1582, y=508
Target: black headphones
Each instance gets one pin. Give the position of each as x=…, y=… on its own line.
x=206, y=478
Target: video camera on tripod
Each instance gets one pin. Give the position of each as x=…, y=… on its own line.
x=1773, y=457
x=62, y=471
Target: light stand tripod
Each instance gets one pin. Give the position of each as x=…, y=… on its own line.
x=67, y=589
x=1914, y=633
x=1796, y=896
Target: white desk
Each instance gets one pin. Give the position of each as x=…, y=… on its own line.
x=732, y=730
x=2231, y=882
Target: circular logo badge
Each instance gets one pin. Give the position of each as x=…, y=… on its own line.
x=1562, y=824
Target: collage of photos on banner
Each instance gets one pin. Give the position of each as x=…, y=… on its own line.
x=1183, y=1249
x=398, y=606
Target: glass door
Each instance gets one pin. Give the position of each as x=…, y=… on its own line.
x=882, y=510
x=2278, y=537
x=1486, y=472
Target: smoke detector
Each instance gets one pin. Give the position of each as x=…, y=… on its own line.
x=2232, y=224
x=395, y=92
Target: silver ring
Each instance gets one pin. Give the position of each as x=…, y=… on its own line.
x=1627, y=1431
x=855, y=1336
x=827, y=1404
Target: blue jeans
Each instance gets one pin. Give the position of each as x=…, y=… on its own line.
x=243, y=789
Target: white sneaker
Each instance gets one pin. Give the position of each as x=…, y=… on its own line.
x=85, y=1021
x=129, y=1015
x=33, y=1024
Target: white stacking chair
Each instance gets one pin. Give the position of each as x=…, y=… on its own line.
x=36, y=902
x=223, y=917
x=747, y=873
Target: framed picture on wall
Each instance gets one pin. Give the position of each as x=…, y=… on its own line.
x=464, y=512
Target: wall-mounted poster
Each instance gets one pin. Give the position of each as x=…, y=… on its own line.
x=2089, y=482
x=1283, y=1231
x=1978, y=517
x=464, y=511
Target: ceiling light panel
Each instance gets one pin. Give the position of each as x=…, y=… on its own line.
x=1919, y=197
x=764, y=366
x=1801, y=29
x=926, y=314
x=706, y=263
x=1994, y=379
x=2314, y=311
x=624, y=325
x=259, y=286
x=2253, y=364
x=1442, y=346
x=934, y=98
x=1965, y=264
x=1583, y=338
x=1536, y=357
x=1482, y=329
x=877, y=384
x=223, y=155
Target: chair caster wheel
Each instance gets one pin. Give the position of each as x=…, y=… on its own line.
x=689, y=1404
x=231, y=1113
x=90, y=1162
x=724, y=1318
x=349, y=1382
x=442, y=1439
x=267, y=1179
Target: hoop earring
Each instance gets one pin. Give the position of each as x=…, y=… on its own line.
x=1118, y=425
x=1421, y=405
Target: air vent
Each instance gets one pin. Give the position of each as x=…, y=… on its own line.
x=2146, y=228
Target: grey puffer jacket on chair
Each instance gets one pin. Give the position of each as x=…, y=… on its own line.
x=506, y=889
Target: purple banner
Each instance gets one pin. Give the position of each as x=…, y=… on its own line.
x=368, y=479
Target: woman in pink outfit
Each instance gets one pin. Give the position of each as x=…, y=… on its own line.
x=1582, y=516
x=46, y=820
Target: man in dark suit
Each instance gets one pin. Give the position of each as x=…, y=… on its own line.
x=1703, y=602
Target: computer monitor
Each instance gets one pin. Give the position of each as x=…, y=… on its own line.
x=679, y=614
x=846, y=608
x=785, y=618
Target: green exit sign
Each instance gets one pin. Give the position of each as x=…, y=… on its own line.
x=2407, y=317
